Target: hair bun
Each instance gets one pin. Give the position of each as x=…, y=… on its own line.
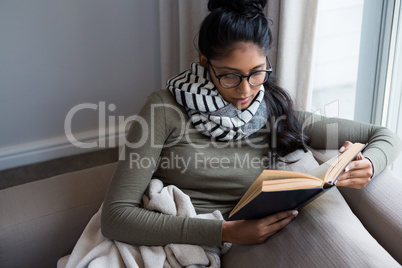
x=240, y=6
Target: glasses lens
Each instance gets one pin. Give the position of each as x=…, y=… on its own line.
x=258, y=78
x=230, y=80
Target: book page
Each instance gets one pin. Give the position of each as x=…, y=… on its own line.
x=290, y=184
x=330, y=170
x=322, y=169
x=344, y=159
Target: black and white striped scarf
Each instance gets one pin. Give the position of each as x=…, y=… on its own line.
x=209, y=112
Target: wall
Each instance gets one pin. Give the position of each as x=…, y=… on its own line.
x=56, y=54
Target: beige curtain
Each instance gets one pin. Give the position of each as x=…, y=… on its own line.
x=179, y=22
x=294, y=28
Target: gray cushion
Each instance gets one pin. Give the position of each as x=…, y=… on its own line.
x=379, y=208
x=41, y=221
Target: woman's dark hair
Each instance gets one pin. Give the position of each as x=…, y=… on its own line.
x=234, y=21
x=230, y=22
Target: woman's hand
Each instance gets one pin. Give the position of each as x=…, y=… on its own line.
x=256, y=231
x=358, y=173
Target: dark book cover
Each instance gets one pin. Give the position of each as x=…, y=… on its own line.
x=268, y=203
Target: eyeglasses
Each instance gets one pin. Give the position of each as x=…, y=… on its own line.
x=232, y=80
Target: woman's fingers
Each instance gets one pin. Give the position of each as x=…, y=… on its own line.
x=280, y=224
x=346, y=145
x=358, y=182
x=274, y=223
x=275, y=218
x=359, y=165
x=255, y=231
x=357, y=174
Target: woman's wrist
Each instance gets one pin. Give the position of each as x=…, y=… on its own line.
x=226, y=231
x=372, y=166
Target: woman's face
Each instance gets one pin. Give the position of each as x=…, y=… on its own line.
x=244, y=59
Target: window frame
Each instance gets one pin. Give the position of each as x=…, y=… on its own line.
x=372, y=87
x=378, y=92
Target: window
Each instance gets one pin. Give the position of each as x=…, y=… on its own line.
x=337, y=57
x=380, y=62
x=357, y=62
x=391, y=109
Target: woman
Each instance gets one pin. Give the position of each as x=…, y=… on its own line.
x=211, y=126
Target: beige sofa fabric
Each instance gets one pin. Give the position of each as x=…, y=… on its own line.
x=378, y=206
x=41, y=221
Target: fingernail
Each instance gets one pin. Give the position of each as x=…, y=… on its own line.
x=346, y=169
x=295, y=213
x=342, y=149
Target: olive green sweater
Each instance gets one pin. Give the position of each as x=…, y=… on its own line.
x=163, y=144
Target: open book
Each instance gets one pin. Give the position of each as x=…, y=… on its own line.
x=275, y=190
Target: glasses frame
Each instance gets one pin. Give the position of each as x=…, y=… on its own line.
x=219, y=76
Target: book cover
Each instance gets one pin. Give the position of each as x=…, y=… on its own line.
x=275, y=191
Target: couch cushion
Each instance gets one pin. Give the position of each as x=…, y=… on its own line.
x=379, y=208
x=42, y=220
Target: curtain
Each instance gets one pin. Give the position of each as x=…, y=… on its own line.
x=293, y=24
x=179, y=22
x=294, y=28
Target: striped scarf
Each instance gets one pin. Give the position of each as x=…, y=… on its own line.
x=210, y=114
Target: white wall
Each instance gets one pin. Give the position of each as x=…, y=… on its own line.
x=56, y=54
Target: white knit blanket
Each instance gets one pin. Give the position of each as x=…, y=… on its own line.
x=94, y=250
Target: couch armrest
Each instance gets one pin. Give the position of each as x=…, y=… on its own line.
x=41, y=221
x=378, y=206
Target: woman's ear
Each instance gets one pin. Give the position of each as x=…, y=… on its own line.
x=203, y=60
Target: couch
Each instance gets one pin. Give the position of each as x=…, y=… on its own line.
x=41, y=221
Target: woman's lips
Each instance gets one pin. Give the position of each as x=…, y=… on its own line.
x=242, y=100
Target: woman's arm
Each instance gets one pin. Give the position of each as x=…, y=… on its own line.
x=122, y=217
x=331, y=133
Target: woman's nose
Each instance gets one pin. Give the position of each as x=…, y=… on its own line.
x=244, y=86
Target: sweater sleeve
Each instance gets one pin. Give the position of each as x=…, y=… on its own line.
x=330, y=133
x=122, y=217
